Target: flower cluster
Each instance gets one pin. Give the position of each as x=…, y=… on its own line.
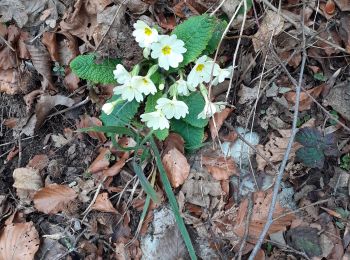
x=168, y=51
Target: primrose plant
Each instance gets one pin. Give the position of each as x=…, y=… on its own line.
x=166, y=91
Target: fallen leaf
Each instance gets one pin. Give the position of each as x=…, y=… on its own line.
x=8, y=59
x=220, y=168
x=261, y=204
x=39, y=162
x=71, y=81
x=219, y=119
x=115, y=168
x=305, y=100
x=27, y=179
x=12, y=154
x=54, y=198
x=68, y=48
x=247, y=95
x=13, y=9
x=176, y=141
x=176, y=167
x=50, y=42
x=276, y=147
x=41, y=61
x=88, y=121
x=59, y=140
x=343, y=5
x=19, y=241
x=330, y=7
x=10, y=122
x=305, y=239
x=271, y=25
x=103, y=204
x=101, y=162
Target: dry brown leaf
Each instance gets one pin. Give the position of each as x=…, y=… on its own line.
x=176, y=167
x=103, y=204
x=39, y=162
x=220, y=168
x=176, y=141
x=271, y=25
x=262, y=202
x=42, y=63
x=344, y=29
x=276, y=147
x=344, y=5
x=27, y=179
x=19, y=241
x=23, y=53
x=11, y=122
x=305, y=100
x=219, y=121
x=101, y=162
x=12, y=154
x=68, y=48
x=71, y=81
x=115, y=168
x=88, y=121
x=7, y=56
x=50, y=42
x=54, y=198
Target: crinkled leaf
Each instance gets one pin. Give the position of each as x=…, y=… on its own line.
x=195, y=103
x=215, y=39
x=310, y=157
x=330, y=145
x=84, y=67
x=122, y=113
x=193, y=136
x=309, y=137
x=150, y=107
x=196, y=33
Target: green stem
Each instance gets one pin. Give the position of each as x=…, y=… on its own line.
x=172, y=200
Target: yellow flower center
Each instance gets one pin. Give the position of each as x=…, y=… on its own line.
x=148, y=31
x=200, y=67
x=145, y=81
x=166, y=50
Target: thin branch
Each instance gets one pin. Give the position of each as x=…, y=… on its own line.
x=278, y=181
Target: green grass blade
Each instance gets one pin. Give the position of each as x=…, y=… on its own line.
x=144, y=182
x=172, y=201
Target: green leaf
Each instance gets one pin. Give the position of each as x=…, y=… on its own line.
x=195, y=103
x=109, y=129
x=145, y=183
x=249, y=6
x=173, y=201
x=193, y=136
x=84, y=67
x=150, y=107
x=309, y=137
x=122, y=113
x=215, y=39
x=310, y=157
x=196, y=33
x=320, y=76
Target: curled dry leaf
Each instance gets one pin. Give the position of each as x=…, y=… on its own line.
x=271, y=25
x=103, y=204
x=71, y=81
x=54, y=198
x=174, y=141
x=42, y=63
x=39, y=162
x=176, y=167
x=101, y=162
x=49, y=40
x=219, y=119
x=8, y=58
x=220, y=168
x=115, y=168
x=13, y=81
x=19, y=241
x=262, y=202
x=88, y=121
x=305, y=100
x=27, y=179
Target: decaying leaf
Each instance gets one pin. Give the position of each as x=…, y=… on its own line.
x=41, y=61
x=49, y=40
x=39, y=162
x=219, y=120
x=54, y=198
x=176, y=167
x=262, y=202
x=221, y=168
x=305, y=239
x=13, y=81
x=19, y=241
x=271, y=25
x=27, y=179
x=88, y=121
x=101, y=162
x=338, y=98
x=103, y=204
x=275, y=148
x=305, y=100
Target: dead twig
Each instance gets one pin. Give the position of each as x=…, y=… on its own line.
x=278, y=181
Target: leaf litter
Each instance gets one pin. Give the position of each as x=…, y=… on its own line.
x=213, y=189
